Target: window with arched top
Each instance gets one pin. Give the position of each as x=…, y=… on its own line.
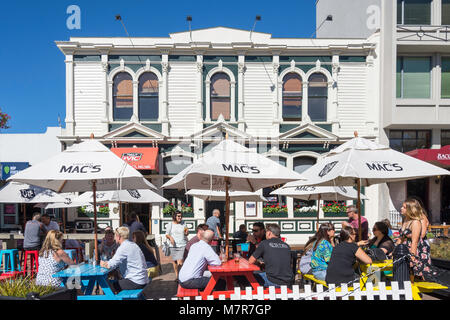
x=292, y=97
x=148, y=96
x=122, y=96
x=303, y=163
x=220, y=96
x=317, y=97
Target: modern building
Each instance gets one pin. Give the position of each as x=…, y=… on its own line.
x=414, y=85
x=17, y=152
x=170, y=99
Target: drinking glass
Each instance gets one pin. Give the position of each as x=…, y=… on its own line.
x=237, y=256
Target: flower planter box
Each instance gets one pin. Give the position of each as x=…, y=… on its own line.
x=445, y=277
x=311, y=214
x=185, y=215
x=275, y=215
x=335, y=214
x=91, y=215
x=60, y=294
x=440, y=263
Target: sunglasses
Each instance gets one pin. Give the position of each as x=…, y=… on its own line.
x=256, y=230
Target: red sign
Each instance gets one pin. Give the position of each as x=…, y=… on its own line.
x=439, y=157
x=139, y=158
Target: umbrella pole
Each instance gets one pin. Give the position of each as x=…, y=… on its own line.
x=24, y=209
x=318, y=212
x=64, y=218
x=227, y=215
x=150, y=208
x=358, y=186
x=120, y=214
x=94, y=191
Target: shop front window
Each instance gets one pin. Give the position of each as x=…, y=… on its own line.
x=407, y=140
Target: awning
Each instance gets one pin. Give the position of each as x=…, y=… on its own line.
x=139, y=158
x=439, y=157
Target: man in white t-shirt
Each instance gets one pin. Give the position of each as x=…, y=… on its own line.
x=192, y=274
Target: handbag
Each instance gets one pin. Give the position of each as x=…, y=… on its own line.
x=305, y=262
x=166, y=245
x=376, y=254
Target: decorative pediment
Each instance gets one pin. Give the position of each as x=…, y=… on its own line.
x=134, y=130
x=220, y=35
x=308, y=131
x=219, y=130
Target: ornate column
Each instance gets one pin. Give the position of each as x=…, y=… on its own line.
x=333, y=97
x=241, y=103
x=275, y=99
x=165, y=92
x=305, y=114
x=105, y=103
x=232, y=101
x=199, y=125
x=70, y=121
x=135, y=99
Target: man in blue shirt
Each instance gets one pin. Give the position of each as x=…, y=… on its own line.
x=192, y=274
x=131, y=263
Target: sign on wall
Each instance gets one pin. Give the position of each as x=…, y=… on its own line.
x=11, y=168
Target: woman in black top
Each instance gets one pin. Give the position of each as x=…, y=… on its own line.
x=139, y=239
x=340, y=268
x=381, y=239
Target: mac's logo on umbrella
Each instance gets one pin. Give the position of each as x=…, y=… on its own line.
x=134, y=193
x=27, y=193
x=68, y=201
x=342, y=189
x=99, y=195
x=328, y=167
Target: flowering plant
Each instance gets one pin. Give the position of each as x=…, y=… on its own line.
x=334, y=207
x=169, y=209
x=102, y=210
x=4, y=120
x=186, y=209
x=274, y=208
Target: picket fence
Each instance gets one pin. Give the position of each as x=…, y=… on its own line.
x=369, y=292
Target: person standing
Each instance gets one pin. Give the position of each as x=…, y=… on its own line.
x=131, y=263
x=134, y=224
x=352, y=213
x=33, y=232
x=177, y=232
x=213, y=223
x=277, y=259
x=48, y=223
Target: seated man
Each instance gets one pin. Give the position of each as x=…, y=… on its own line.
x=200, y=229
x=259, y=234
x=241, y=234
x=277, y=259
x=131, y=262
x=201, y=254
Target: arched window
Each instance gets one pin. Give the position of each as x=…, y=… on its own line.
x=303, y=163
x=220, y=96
x=148, y=96
x=292, y=97
x=317, y=97
x=122, y=96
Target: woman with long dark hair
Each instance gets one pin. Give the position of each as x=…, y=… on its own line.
x=322, y=248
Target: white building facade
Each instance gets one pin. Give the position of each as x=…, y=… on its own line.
x=289, y=99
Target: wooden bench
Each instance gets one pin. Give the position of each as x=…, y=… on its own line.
x=182, y=292
x=424, y=287
x=122, y=295
x=314, y=279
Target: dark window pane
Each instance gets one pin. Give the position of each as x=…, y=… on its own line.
x=317, y=109
x=417, y=12
x=423, y=134
x=175, y=164
x=395, y=134
x=445, y=12
x=317, y=91
x=148, y=108
x=122, y=96
x=445, y=137
x=409, y=145
x=303, y=163
x=396, y=144
x=399, y=12
x=292, y=108
x=279, y=160
x=409, y=134
x=418, y=189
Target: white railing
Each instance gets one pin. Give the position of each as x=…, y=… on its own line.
x=381, y=292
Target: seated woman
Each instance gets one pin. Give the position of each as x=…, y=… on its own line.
x=381, y=240
x=139, y=239
x=322, y=250
x=340, y=268
x=108, y=247
x=52, y=259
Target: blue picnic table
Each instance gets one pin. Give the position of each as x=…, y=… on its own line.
x=88, y=275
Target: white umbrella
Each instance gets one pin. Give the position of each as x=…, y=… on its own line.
x=318, y=193
x=362, y=162
x=83, y=167
x=122, y=196
x=231, y=166
x=212, y=195
x=15, y=192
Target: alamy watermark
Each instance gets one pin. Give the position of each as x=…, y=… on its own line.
x=74, y=19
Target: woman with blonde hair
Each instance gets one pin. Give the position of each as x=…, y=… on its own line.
x=52, y=259
x=411, y=235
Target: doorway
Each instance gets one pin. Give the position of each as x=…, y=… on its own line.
x=418, y=189
x=445, y=199
x=142, y=210
x=210, y=206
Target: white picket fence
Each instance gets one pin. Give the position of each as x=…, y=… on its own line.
x=381, y=292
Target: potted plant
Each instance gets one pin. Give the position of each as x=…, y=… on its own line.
x=187, y=210
x=334, y=209
x=25, y=288
x=169, y=210
x=305, y=211
x=275, y=211
x=87, y=211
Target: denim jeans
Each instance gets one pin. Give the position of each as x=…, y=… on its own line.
x=262, y=279
x=320, y=274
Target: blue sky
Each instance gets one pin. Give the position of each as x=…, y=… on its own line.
x=32, y=81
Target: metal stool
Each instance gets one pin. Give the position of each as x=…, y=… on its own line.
x=11, y=260
x=34, y=261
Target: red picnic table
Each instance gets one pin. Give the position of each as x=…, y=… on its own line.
x=227, y=271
